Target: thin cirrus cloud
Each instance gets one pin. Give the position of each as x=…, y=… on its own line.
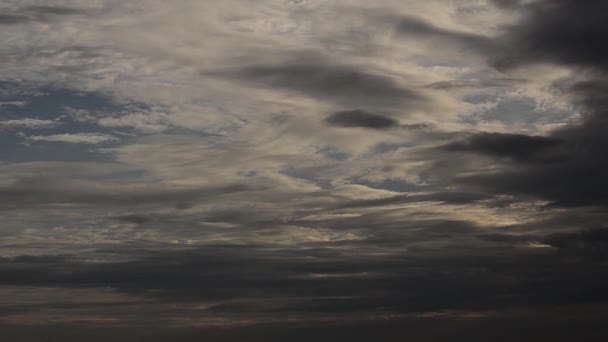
x=28, y=123
x=74, y=138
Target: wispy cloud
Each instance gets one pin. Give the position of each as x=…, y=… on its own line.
x=28, y=123
x=75, y=138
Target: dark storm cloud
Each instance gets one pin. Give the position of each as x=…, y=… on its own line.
x=568, y=166
x=587, y=243
x=519, y=147
x=342, y=84
x=550, y=31
x=360, y=118
x=561, y=31
x=480, y=279
x=557, y=325
x=580, y=181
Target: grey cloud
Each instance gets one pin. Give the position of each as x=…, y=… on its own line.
x=484, y=278
x=54, y=10
x=13, y=19
x=567, y=167
x=135, y=218
x=360, y=118
x=37, y=14
x=552, y=31
x=341, y=84
x=32, y=192
x=379, y=260
x=554, y=325
x=421, y=29
x=507, y=238
x=447, y=197
x=476, y=84
x=590, y=243
x=519, y=147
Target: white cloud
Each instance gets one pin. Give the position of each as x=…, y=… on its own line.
x=75, y=138
x=13, y=103
x=28, y=123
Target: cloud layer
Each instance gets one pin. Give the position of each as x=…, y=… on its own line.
x=323, y=166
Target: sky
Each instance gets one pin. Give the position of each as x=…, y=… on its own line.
x=304, y=170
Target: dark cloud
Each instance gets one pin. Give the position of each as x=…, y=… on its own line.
x=53, y=10
x=37, y=14
x=134, y=218
x=38, y=191
x=422, y=30
x=487, y=278
x=360, y=118
x=519, y=147
x=13, y=19
x=396, y=262
x=589, y=243
x=560, y=31
x=507, y=238
x=550, y=31
x=342, y=84
x=568, y=166
x=557, y=325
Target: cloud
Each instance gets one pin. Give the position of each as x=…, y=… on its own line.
x=28, y=123
x=572, y=168
x=75, y=138
x=37, y=14
x=225, y=274
x=360, y=118
x=336, y=83
x=54, y=10
x=12, y=19
x=551, y=31
x=522, y=148
x=420, y=29
x=261, y=201
x=36, y=191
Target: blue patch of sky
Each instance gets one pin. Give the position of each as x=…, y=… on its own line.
x=333, y=154
x=522, y=111
x=50, y=104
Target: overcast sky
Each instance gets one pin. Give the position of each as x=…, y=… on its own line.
x=304, y=170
